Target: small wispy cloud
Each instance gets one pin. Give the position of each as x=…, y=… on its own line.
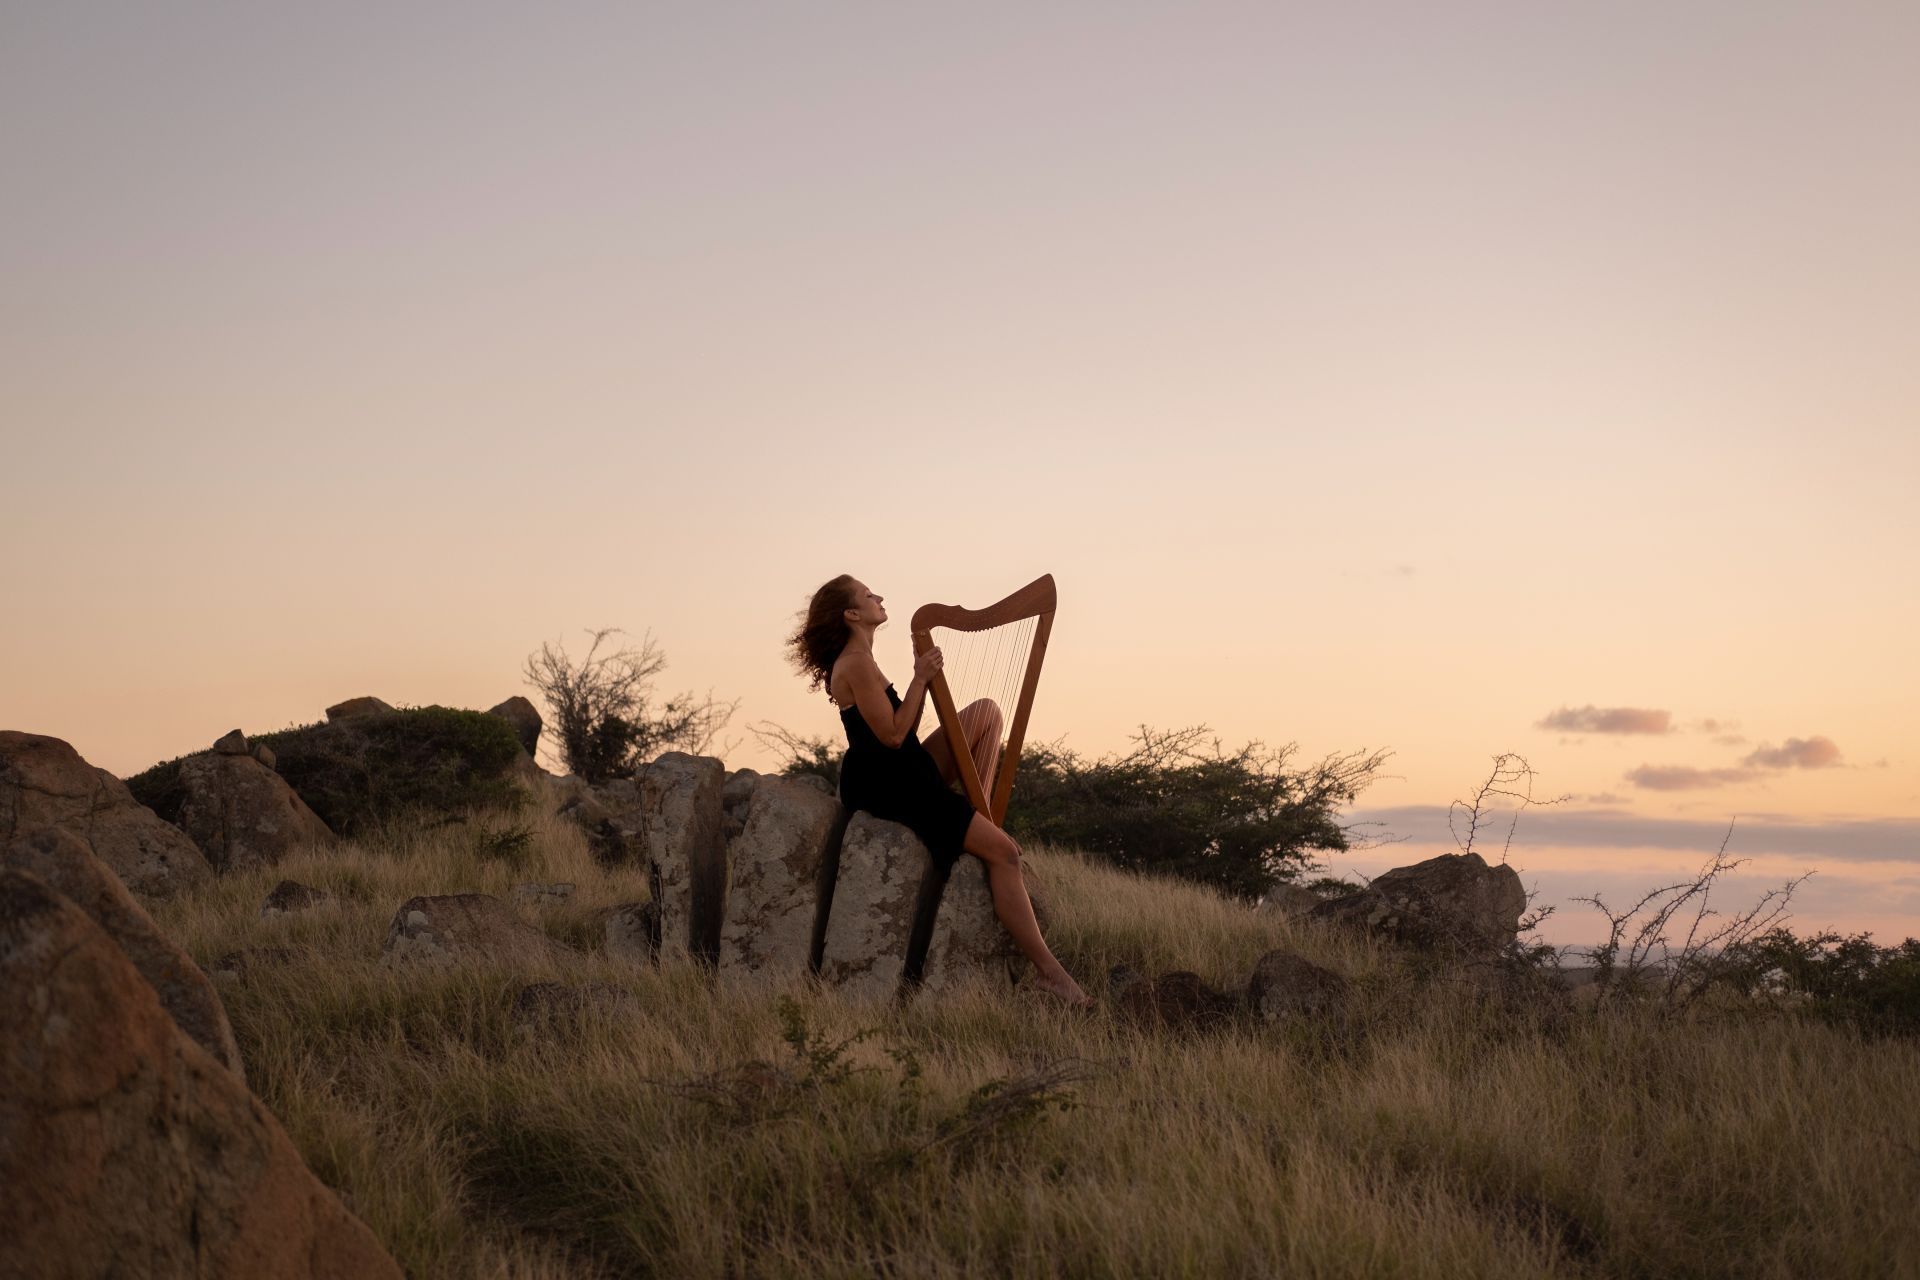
x=1797, y=753
x=1592, y=719
x=1684, y=777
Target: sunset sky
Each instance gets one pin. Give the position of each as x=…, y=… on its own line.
x=1451, y=379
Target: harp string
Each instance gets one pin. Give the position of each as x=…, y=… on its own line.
x=991, y=664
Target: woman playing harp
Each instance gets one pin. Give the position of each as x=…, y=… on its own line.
x=891, y=774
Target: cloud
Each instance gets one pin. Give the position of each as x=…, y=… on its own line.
x=1592, y=719
x=1602, y=797
x=1684, y=777
x=1798, y=753
x=1850, y=839
x=1729, y=739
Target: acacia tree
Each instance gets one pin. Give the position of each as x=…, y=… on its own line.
x=604, y=723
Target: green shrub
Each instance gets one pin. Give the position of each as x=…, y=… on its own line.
x=1846, y=979
x=364, y=769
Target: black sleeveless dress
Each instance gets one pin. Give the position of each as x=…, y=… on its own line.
x=903, y=784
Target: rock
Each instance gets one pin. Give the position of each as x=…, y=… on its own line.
x=235, y=966
x=1288, y=901
x=880, y=887
x=1178, y=1001
x=686, y=854
x=290, y=896
x=465, y=926
x=43, y=781
x=633, y=932
x=534, y=894
x=819, y=784
x=736, y=795
x=1121, y=979
x=968, y=938
x=1286, y=986
x=356, y=707
x=611, y=816
x=781, y=873
x=1454, y=902
x=128, y=1149
x=558, y=1006
x=264, y=754
x=63, y=861
x=231, y=743
x=524, y=718
x=242, y=814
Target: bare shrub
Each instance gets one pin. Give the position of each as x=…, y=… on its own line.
x=602, y=713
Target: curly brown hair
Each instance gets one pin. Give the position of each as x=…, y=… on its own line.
x=823, y=632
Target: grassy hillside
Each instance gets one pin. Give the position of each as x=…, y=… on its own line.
x=1428, y=1131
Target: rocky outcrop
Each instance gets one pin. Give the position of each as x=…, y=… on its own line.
x=525, y=719
x=125, y=1148
x=632, y=932
x=240, y=813
x=290, y=896
x=1454, y=902
x=363, y=706
x=968, y=938
x=465, y=926
x=231, y=743
x=736, y=797
x=1285, y=986
x=64, y=862
x=680, y=802
x=781, y=871
x=882, y=873
x=1288, y=901
x=44, y=782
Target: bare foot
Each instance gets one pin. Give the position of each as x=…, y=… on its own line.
x=1067, y=989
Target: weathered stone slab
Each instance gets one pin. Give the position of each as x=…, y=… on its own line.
x=129, y=1150
x=43, y=781
x=686, y=852
x=362, y=706
x=464, y=926
x=242, y=814
x=877, y=890
x=968, y=938
x=64, y=862
x=632, y=932
x=781, y=870
x=1285, y=986
x=525, y=719
x=1453, y=902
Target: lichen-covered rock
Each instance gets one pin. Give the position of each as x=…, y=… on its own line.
x=525, y=719
x=44, y=782
x=465, y=926
x=242, y=814
x=736, y=797
x=632, y=932
x=882, y=872
x=686, y=852
x=1288, y=901
x=1285, y=986
x=64, y=862
x=125, y=1148
x=290, y=896
x=968, y=939
x=1454, y=902
x=780, y=870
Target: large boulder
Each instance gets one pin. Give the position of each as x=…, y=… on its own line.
x=64, y=862
x=631, y=932
x=43, y=781
x=968, y=938
x=781, y=871
x=680, y=803
x=525, y=719
x=361, y=706
x=125, y=1148
x=881, y=886
x=241, y=813
x=736, y=797
x=465, y=926
x=1453, y=902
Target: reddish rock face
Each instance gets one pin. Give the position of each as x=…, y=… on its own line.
x=44, y=782
x=63, y=860
x=129, y=1150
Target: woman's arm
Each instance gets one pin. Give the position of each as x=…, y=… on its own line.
x=870, y=695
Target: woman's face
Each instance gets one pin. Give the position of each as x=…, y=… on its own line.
x=866, y=606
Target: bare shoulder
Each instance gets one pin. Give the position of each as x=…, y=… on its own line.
x=853, y=671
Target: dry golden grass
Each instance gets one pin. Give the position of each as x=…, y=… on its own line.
x=1428, y=1131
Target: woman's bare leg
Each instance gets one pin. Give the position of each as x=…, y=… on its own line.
x=1015, y=909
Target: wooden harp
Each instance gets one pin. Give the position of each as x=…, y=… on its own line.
x=1006, y=643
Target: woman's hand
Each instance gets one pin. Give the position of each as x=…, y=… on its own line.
x=927, y=664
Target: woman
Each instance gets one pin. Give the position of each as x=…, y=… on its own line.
x=893, y=775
